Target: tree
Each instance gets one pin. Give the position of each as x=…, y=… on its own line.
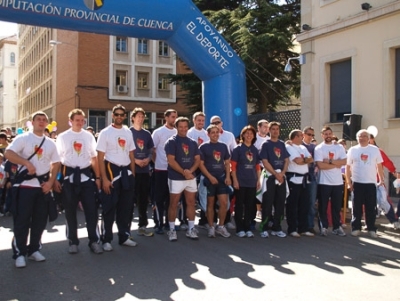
x=262, y=33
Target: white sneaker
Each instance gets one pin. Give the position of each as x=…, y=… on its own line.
x=230, y=226
x=130, y=243
x=211, y=232
x=221, y=230
x=249, y=234
x=20, y=262
x=37, y=256
x=258, y=214
x=241, y=234
x=264, y=234
x=396, y=225
x=294, y=234
x=172, y=235
x=192, y=234
x=339, y=231
x=307, y=233
x=355, y=233
x=280, y=234
x=107, y=247
x=372, y=234
x=324, y=232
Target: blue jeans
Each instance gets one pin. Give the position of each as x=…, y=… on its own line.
x=312, y=197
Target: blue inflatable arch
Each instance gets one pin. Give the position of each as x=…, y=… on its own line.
x=178, y=22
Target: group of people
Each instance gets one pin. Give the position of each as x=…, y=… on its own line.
x=260, y=173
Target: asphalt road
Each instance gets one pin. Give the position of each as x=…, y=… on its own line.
x=319, y=268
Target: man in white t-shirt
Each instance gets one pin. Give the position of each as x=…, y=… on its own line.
x=262, y=136
x=30, y=204
x=115, y=148
x=364, y=162
x=224, y=136
x=330, y=157
x=161, y=191
x=77, y=150
x=197, y=132
x=297, y=177
x=262, y=133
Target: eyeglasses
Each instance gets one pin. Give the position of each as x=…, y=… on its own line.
x=310, y=135
x=119, y=115
x=215, y=122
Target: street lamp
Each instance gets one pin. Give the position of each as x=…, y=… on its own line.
x=54, y=42
x=301, y=58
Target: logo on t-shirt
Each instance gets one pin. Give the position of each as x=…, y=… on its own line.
x=199, y=140
x=331, y=155
x=364, y=157
x=140, y=143
x=217, y=155
x=78, y=147
x=249, y=155
x=185, y=148
x=121, y=143
x=277, y=152
x=39, y=152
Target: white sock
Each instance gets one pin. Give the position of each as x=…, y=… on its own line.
x=172, y=225
x=191, y=224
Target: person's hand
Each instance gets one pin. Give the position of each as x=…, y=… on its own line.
x=107, y=185
x=57, y=186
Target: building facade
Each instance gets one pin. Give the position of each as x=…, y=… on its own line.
x=352, y=51
x=8, y=82
x=95, y=72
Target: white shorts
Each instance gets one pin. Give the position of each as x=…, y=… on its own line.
x=177, y=187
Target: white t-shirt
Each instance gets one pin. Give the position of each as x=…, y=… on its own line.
x=297, y=151
x=260, y=140
x=116, y=144
x=363, y=161
x=25, y=145
x=229, y=139
x=200, y=136
x=160, y=136
x=76, y=149
x=330, y=151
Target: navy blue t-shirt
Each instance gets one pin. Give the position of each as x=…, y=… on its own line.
x=144, y=143
x=214, y=156
x=275, y=152
x=184, y=149
x=246, y=158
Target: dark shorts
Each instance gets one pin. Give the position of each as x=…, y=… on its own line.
x=214, y=190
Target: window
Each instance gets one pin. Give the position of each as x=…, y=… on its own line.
x=121, y=78
x=142, y=80
x=340, y=90
x=163, y=48
x=142, y=46
x=121, y=44
x=97, y=120
x=163, y=82
x=397, y=81
x=12, y=58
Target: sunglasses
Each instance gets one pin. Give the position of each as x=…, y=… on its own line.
x=215, y=122
x=310, y=135
x=119, y=115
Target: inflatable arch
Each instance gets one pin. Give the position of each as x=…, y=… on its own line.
x=178, y=22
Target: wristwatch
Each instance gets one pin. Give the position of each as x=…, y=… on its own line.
x=330, y=161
